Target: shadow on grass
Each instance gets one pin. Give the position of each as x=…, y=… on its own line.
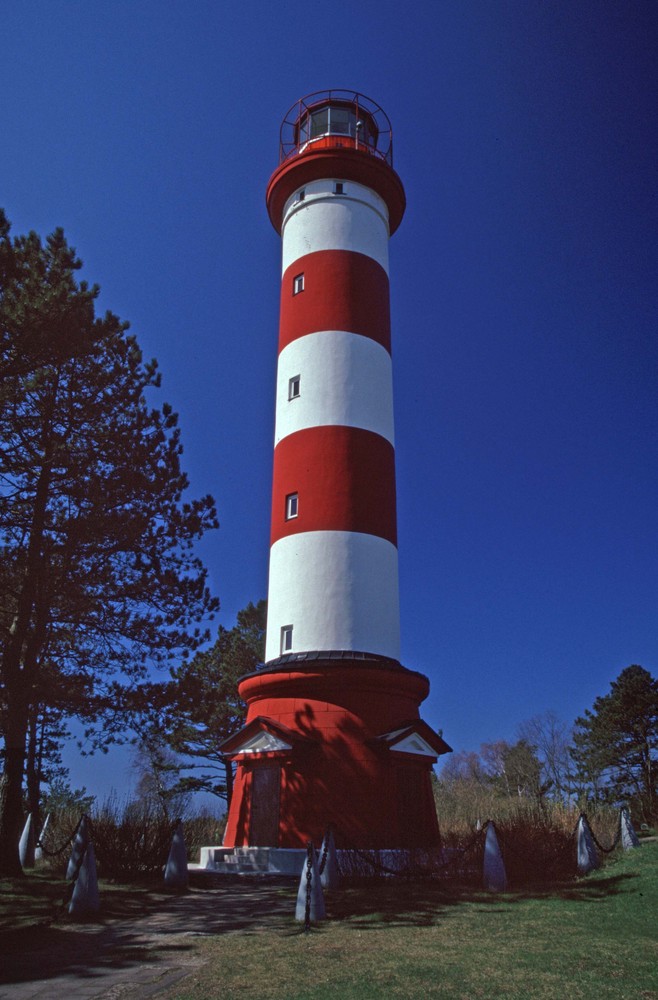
x=418, y=903
x=136, y=928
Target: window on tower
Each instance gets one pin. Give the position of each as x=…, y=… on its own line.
x=294, y=387
x=286, y=639
x=292, y=506
x=338, y=187
x=298, y=284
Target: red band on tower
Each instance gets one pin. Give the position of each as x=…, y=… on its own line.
x=343, y=290
x=344, y=478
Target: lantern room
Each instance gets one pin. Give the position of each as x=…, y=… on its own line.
x=337, y=133
x=336, y=119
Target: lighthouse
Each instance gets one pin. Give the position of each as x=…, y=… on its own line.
x=333, y=733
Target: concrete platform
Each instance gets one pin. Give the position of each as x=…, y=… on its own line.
x=251, y=860
x=290, y=861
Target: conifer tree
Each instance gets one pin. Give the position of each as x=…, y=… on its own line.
x=97, y=569
x=200, y=706
x=617, y=741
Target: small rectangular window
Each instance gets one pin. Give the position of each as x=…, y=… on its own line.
x=294, y=387
x=301, y=195
x=338, y=188
x=292, y=506
x=298, y=284
x=286, y=639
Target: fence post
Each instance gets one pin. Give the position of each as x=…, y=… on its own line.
x=26, y=845
x=80, y=842
x=329, y=874
x=629, y=838
x=587, y=858
x=85, y=898
x=38, y=850
x=310, y=899
x=175, y=874
x=494, y=874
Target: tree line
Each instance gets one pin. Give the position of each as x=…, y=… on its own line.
x=609, y=756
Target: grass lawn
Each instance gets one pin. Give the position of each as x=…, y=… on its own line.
x=40, y=899
x=595, y=938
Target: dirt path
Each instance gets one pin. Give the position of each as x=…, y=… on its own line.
x=139, y=958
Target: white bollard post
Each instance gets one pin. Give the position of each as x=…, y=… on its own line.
x=26, y=844
x=85, y=899
x=80, y=842
x=587, y=858
x=629, y=838
x=494, y=874
x=330, y=877
x=175, y=874
x=310, y=898
x=38, y=851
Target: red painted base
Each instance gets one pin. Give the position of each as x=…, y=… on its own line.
x=334, y=768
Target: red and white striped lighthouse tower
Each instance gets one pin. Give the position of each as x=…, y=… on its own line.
x=333, y=733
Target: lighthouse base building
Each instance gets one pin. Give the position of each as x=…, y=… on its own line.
x=332, y=739
x=333, y=733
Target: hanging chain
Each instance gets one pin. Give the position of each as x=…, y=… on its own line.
x=325, y=849
x=67, y=843
x=309, y=877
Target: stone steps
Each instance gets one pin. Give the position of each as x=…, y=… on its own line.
x=250, y=860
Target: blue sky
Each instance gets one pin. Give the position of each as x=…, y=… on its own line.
x=523, y=296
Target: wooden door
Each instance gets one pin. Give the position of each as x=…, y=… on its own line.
x=265, y=792
x=411, y=807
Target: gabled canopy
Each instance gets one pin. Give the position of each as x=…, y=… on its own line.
x=262, y=735
x=415, y=737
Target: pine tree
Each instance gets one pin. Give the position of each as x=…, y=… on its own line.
x=617, y=741
x=200, y=706
x=97, y=571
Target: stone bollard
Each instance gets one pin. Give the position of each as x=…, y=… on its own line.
x=629, y=838
x=587, y=858
x=494, y=874
x=175, y=873
x=330, y=877
x=80, y=842
x=38, y=851
x=85, y=899
x=310, y=898
x=26, y=845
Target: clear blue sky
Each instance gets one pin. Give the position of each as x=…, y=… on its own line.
x=523, y=296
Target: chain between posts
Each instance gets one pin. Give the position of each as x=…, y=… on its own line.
x=415, y=870
x=556, y=855
x=67, y=843
x=605, y=850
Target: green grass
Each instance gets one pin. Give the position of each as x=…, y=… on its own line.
x=595, y=938
x=40, y=899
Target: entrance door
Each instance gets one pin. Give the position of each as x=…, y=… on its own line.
x=411, y=807
x=265, y=789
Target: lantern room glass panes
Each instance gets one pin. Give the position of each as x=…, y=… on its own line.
x=319, y=123
x=332, y=120
x=341, y=119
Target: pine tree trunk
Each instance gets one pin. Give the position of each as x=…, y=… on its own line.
x=11, y=818
x=32, y=777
